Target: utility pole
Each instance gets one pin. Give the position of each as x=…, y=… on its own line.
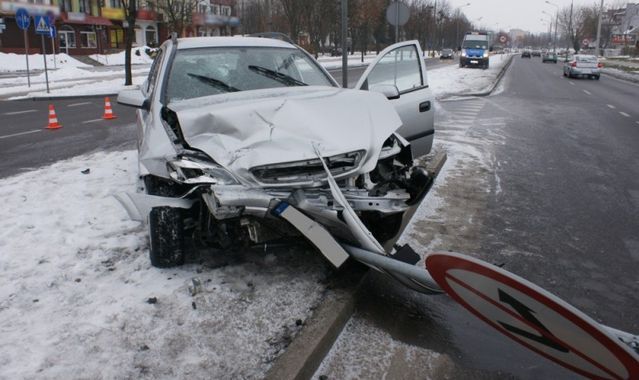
x=554, y=45
x=570, y=31
x=601, y=8
x=344, y=48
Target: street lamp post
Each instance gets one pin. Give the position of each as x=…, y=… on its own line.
x=554, y=49
x=601, y=8
x=459, y=17
x=549, y=24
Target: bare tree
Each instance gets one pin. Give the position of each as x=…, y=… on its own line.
x=178, y=13
x=130, y=13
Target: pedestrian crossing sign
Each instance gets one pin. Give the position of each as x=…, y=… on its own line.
x=42, y=25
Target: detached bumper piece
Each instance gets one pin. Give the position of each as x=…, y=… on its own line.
x=314, y=232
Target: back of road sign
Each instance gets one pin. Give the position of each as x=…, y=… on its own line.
x=533, y=317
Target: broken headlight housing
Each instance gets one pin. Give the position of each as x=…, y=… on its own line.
x=191, y=170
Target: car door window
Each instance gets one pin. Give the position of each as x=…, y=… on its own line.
x=400, y=67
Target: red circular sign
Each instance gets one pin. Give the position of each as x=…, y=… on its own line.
x=533, y=317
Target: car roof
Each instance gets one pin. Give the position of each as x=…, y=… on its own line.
x=235, y=41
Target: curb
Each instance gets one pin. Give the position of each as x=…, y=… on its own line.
x=305, y=354
x=63, y=97
x=628, y=78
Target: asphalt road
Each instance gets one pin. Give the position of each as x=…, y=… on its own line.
x=557, y=202
x=26, y=144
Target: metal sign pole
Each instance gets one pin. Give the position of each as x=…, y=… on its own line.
x=44, y=55
x=55, y=66
x=26, y=56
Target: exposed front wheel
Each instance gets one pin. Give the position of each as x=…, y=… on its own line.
x=166, y=232
x=597, y=77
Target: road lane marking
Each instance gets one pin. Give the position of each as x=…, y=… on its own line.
x=19, y=112
x=91, y=121
x=20, y=134
x=625, y=114
x=611, y=106
x=587, y=92
x=572, y=83
x=78, y=104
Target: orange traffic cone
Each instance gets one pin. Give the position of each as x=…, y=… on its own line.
x=53, y=119
x=108, y=112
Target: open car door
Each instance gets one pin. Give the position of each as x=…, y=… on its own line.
x=399, y=72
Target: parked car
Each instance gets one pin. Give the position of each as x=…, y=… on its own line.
x=525, y=54
x=549, y=57
x=447, y=54
x=246, y=141
x=582, y=65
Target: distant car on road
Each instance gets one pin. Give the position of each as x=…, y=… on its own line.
x=549, y=57
x=536, y=53
x=582, y=65
x=525, y=54
x=447, y=54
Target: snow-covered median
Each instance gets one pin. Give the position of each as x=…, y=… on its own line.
x=452, y=79
x=79, y=299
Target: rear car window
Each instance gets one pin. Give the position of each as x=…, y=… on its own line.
x=586, y=58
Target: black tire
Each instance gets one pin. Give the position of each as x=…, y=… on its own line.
x=166, y=232
x=565, y=75
x=597, y=77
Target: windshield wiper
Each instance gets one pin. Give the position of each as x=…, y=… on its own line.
x=214, y=82
x=282, y=78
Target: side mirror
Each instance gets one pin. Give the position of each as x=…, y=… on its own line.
x=390, y=91
x=133, y=98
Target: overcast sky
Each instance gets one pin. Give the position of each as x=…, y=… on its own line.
x=511, y=14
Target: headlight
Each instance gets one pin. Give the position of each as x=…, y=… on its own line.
x=485, y=54
x=192, y=171
x=463, y=53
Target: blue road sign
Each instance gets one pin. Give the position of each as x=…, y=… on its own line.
x=42, y=25
x=22, y=19
x=52, y=31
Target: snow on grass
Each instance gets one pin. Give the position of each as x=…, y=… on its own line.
x=138, y=56
x=79, y=299
x=10, y=62
x=353, y=60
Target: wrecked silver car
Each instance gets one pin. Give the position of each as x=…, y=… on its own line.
x=247, y=141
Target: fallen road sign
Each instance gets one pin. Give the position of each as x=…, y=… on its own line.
x=534, y=317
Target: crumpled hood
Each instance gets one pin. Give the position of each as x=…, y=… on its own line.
x=253, y=128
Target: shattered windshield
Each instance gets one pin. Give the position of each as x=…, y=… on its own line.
x=210, y=71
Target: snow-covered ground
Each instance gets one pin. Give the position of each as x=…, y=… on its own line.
x=10, y=62
x=79, y=299
x=138, y=57
x=353, y=60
